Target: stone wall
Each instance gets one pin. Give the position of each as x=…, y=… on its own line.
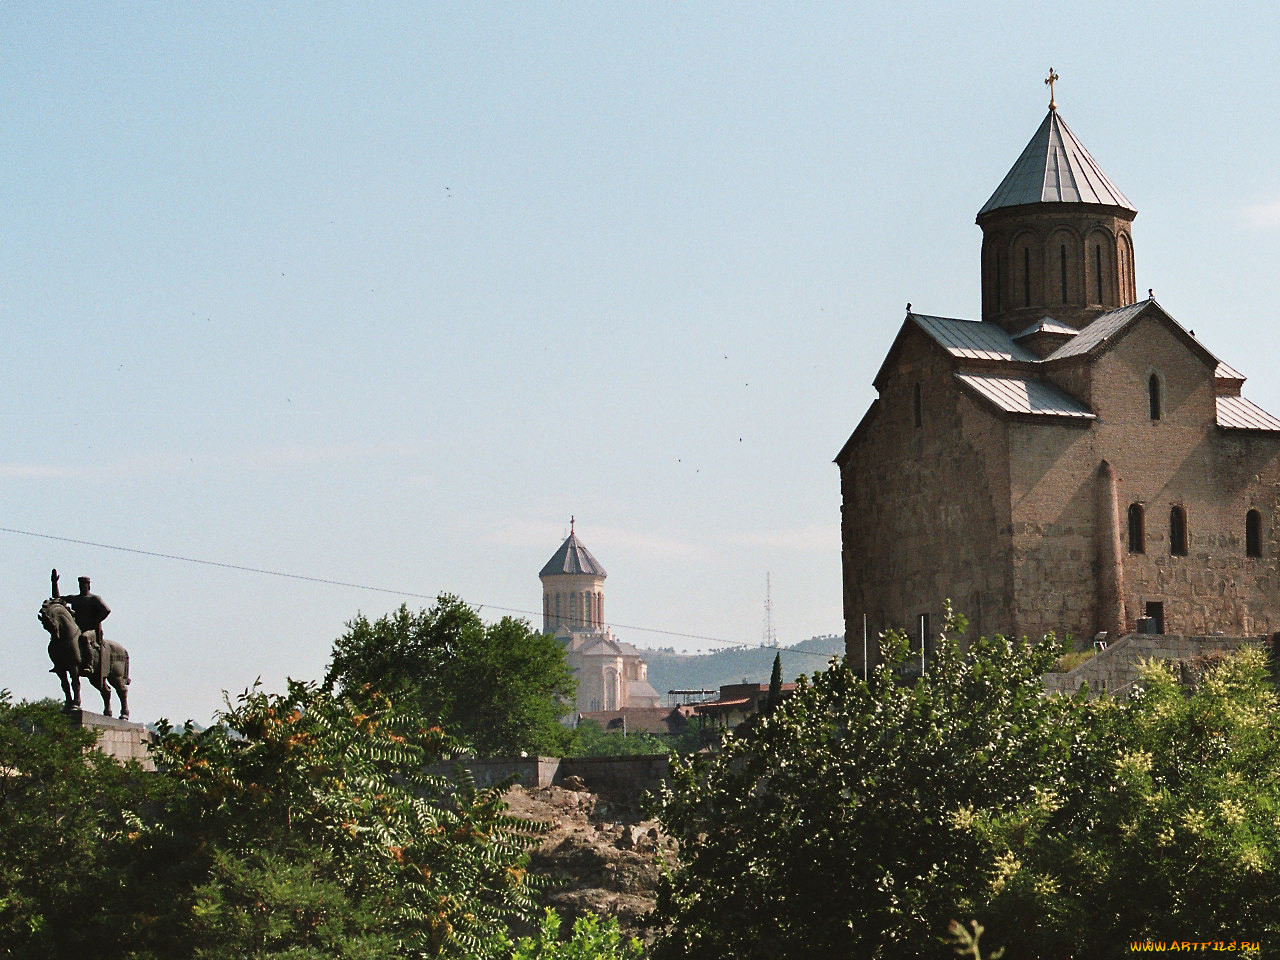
x=116, y=738
x=925, y=508
x=1114, y=670
x=625, y=776
x=1000, y=512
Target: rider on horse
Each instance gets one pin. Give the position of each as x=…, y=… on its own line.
x=89, y=611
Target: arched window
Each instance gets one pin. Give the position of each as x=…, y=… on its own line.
x=1137, y=529
x=1097, y=265
x=1153, y=396
x=1062, y=269
x=917, y=405
x=1253, y=534
x=1178, y=532
x=1026, y=276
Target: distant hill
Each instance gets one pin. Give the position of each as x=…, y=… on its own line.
x=679, y=671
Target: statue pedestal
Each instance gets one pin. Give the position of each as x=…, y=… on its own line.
x=116, y=738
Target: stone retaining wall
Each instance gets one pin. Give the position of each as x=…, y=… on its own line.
x=1114, y=669
x=628, y=776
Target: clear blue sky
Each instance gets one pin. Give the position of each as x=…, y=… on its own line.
x=382, y=293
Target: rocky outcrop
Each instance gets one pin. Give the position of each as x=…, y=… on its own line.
x=599, y=855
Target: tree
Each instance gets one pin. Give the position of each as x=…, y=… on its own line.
x=302, y=826
x=500, y=688
x=774, y=697
x=1173, y=832
x=826, y=829
x=66, y=815
x=593, y=740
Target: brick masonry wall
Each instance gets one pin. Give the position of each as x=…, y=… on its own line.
x=1000, y=513
x=925, y=511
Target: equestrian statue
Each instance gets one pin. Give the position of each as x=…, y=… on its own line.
x=78, y=648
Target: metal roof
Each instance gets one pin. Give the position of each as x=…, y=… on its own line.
x=1046, y=325
x=572, y=558
x=972, y=339
x=1055, y=168
x=1021, y=395
x=1237, y=413
x=1226, y=372
x=1099, y=330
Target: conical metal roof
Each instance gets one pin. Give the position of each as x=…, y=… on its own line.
x=572, y=558
x=1056, y=168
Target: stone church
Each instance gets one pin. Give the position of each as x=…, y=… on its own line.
x=611, y=674
x=1076, y=460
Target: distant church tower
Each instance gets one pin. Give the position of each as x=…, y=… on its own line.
x=1056, y=241
x=572, y=588
x=611, y=675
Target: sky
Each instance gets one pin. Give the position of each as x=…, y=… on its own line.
x=374, y=297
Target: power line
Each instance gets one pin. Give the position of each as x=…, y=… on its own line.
x=729, y=644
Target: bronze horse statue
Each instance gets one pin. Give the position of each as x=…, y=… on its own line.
x=76, y=654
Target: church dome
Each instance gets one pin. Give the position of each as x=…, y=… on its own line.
x=1055, y=167
x=1057, y=239
x=572, y=559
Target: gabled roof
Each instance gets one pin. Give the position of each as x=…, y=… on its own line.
x=1008, y=376
x=1055, y=168
x=963, y=339
x=1023, y=395
x=1112, y=324
x=572, y=558
x=1102, y=328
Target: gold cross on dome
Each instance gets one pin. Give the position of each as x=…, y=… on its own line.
x=1049, y=81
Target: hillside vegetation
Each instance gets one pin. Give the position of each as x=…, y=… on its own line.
x=679, y=671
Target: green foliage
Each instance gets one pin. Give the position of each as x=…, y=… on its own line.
x=591, y=939
x=593, y=740
x=67, y=818
x=1069, y=661
x=863, y=819
x=500, y=688
x=966, y=940
x=824, y=830
x=1173, y=830
x=270, y=904
x=300, y=827
x=307, y=789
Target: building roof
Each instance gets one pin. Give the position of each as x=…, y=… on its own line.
x=1055, y=168
x=1227, y=372
x=1100, y=330
x=972, y=339
x=1237, y=413
x=572, y=558
x=1023, y=395
x=1047, y=325
x=1008, y=376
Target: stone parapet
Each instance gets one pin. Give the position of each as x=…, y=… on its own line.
x=1114, y=669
